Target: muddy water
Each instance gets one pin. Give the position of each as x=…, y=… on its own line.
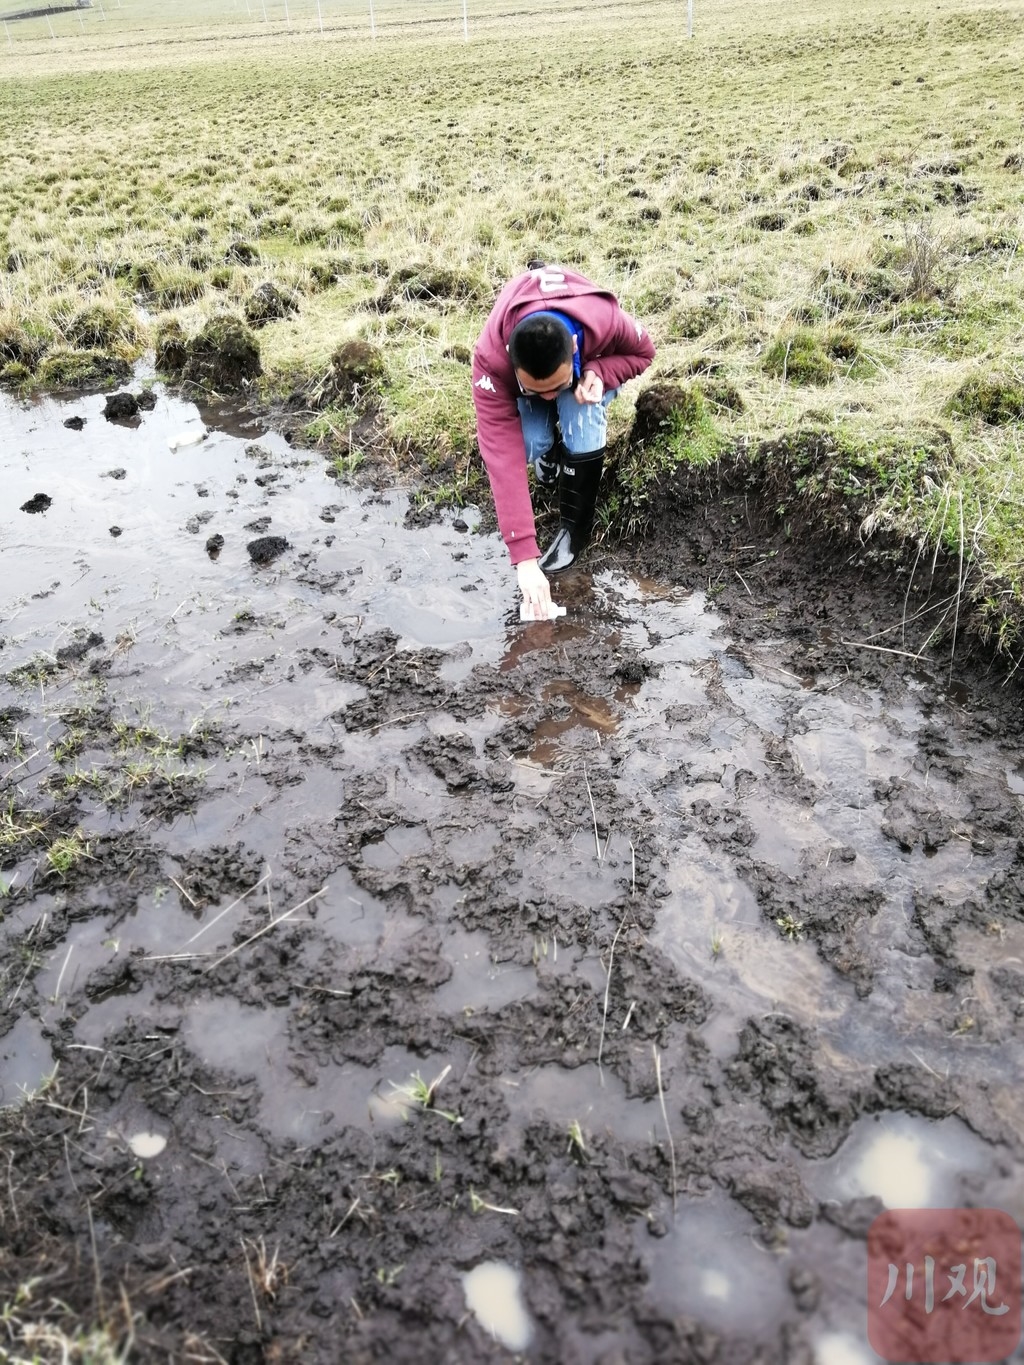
x=398, y=794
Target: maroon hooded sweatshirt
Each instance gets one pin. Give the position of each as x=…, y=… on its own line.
x=615, y=347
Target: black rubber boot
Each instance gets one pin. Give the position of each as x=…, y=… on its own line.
x=547, y=466
x=577, y=501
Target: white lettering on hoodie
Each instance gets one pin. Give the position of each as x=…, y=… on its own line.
x=550, y=281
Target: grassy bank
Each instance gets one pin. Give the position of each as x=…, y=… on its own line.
x=816, y=210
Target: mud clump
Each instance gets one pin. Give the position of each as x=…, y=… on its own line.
x=214, y=545
x=267, y=548
x=121, y=407
x=773, y=1197
x=74, y=423
x=218, y=871
x=452, y=758
x=83, y=642
x=268, y=303
x=399, y=683
x=833, y=915
x=40, y=503
x=779, y=1060
x=224, y=357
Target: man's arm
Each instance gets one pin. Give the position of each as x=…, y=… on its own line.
x=624, y=351
x=500, y=437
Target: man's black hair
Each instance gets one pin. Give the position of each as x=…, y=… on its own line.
x=539, y=345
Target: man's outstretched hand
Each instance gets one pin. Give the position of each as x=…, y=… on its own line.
x=535, y=589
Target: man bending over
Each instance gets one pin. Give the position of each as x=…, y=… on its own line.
x=553, y=354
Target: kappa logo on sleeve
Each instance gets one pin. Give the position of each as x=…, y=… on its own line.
x=486, y=383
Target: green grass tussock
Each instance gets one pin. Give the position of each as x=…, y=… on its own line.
x=803, y=356
x=993, y=398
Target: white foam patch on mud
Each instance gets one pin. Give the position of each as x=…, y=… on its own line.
x=147, y=1145
x=905, y=1161
x=494, y=1294
x=840, y=1348
x=715, y=1285
x=895, y=1168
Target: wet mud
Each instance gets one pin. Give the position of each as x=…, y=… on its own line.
x=385, y=978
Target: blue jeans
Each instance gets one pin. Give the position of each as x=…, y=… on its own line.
x=584, y=426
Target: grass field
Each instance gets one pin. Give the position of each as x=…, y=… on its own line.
x=816, y=205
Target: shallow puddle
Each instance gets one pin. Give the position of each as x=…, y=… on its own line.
x=712, y=1266
x=25, y=1062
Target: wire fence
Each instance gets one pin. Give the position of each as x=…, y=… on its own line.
x=28, y=26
